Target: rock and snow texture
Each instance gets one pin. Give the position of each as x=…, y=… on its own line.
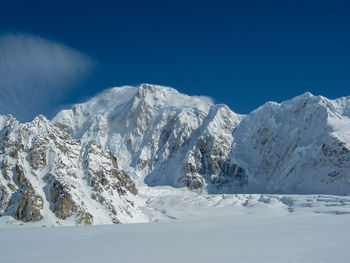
x=299, y=146
x=65, y=171
x=163, y=137
x=48, y=176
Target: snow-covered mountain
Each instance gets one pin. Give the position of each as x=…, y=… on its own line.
x=299, y=146
x=159, y=135
x=66, y=172
x=47, y=175
x=163, y=137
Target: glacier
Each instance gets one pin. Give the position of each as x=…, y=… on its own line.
x=214, y=228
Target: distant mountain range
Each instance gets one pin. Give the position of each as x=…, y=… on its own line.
x=86, y=165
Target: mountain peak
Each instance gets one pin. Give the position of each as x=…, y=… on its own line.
x=41, y=118
x=306, y=94
x=145, y=90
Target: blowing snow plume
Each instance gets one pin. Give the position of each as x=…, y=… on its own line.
x=36, y=73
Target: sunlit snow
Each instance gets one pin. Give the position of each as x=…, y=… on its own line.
x=198, y=228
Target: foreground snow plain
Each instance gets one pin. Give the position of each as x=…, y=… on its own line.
x=191, y=227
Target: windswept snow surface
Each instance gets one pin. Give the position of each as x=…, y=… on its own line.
x=198, y=228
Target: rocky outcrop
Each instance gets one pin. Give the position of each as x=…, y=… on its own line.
x=47, y=175
x=29, y=204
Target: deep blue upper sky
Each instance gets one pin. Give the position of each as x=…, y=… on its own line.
x=241, y=53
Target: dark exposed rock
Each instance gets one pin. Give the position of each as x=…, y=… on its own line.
x=192, y=182
x=38, y=156
x=61, y=201
x=4, y=199
x=29, y=204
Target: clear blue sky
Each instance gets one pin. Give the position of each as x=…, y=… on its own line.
x=241, y=53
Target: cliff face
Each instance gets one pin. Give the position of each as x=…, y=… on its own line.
x=46, y=174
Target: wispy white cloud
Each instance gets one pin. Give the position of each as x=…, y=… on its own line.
x=205, y=99
x=36, y=73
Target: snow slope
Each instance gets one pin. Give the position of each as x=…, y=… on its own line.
x=298, y=146
x=213, y=228
x=159, y=135
x=162, y=137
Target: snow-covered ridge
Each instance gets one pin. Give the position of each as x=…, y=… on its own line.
x=160, y=136
x=163, y=137
x=298, y=146
x=65, y=170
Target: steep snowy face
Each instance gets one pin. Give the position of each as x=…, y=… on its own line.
x=48, y=176
x=162, y=137
x=298, y=146
x=159, y=135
